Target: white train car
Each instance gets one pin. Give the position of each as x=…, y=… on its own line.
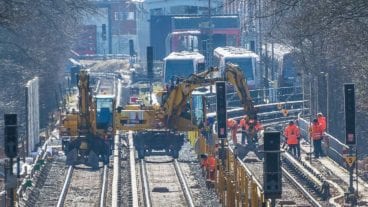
x=182, y=64
x=247, y=60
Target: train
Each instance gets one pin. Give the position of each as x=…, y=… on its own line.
x=181, y=65
x=247, y=60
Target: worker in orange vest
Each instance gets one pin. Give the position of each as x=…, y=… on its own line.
x=292, y=134
x=322, y=121
x=244, y=125
x=211, y=168
x=316, y=133
x=204, y=163
x=254, y=127
x=233, y=126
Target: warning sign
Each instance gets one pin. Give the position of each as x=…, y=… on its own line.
x=350, y=160
x=285, y=112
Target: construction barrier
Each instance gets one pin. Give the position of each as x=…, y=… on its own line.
x=235, y=185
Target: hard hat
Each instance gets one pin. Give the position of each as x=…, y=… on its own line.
x=319, y=114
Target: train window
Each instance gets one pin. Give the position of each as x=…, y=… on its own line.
x=245, y=64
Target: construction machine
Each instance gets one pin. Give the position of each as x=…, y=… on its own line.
x=160, y=124
x=87, y=122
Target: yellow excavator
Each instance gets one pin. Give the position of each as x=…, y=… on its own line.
x=158, y=124
x=87, y=123
x=161, y=124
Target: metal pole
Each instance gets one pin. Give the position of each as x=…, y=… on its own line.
x=303, y=91
x=272, y=61
x=310, y=117
x=328, y=102
x=11, y=190
x=310, y=139
x=356, y=169
x=316, y=94
x=351, y=180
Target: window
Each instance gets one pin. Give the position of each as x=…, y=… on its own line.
x=121, y=16
x=178, y=68
x=245, y=64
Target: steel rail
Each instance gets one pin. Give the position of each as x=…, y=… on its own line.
x=104, y=187
x=306, y=172
x=116, y=172
x=145, y=186
x=183, y=183
x=304, y=191
x=133, y=175
x=65, y=187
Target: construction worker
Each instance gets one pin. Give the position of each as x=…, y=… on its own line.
x=252, y=138
x=244, y=125
x=204, y=162
x=233, y=126
x=211, y=168
x=254, y=127
x=322, y=121
x=316, y=134
x=292, y=133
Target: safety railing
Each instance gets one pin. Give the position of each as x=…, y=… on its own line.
x=331, y=146
x=234, y=183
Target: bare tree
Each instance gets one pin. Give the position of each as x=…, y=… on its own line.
x=35, y=39
x=331, y=36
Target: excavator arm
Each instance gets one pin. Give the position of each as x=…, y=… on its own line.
x=235, y=76
x=177, y=98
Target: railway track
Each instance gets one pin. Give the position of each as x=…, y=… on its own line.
x=163, y=182
x=49, y=185
x=311, y=184
x=84, y=187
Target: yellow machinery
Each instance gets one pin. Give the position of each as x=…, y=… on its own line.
x=87, y=123
x=159, y=121
x=160, y=126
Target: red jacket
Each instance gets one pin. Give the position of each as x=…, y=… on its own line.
x=292, y=132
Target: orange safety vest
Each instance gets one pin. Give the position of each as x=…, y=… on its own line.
x=211, y=163
x=322, y=122
x=316, y=131
x=292, y=133
x=258, y=126
x=243, y=124
x=231, y=123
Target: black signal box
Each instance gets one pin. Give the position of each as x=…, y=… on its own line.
x=149, y=62
x=11, y=135
x=349, y=91
x=221, y=109
x=272, y=176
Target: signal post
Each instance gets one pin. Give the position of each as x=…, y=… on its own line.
x=11, y=151
x=272, y=183
x=350, y=140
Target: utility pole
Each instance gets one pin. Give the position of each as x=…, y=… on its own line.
x=209, y=43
